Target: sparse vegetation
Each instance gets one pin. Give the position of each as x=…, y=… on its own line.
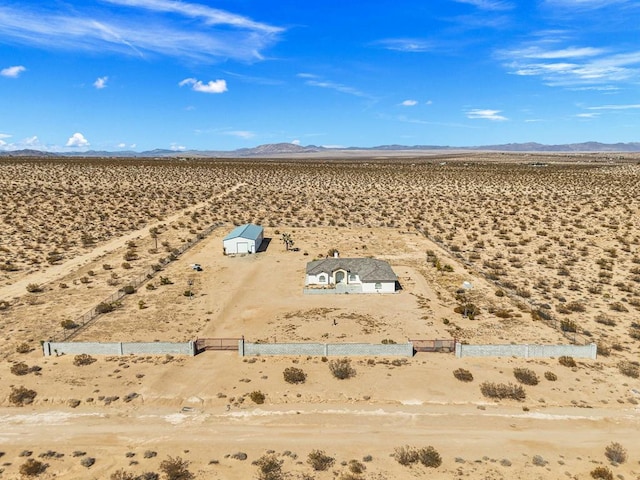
x=175, y=468
x=257, y=397
x=21, y=396
x=526, y=376
x=615, y=453
x=341, y=368
x=294, y=375
x=83, y=359
x=319, y=460
x=269, y=467
x=463, y=375
x=502, y=391
x=32, y=468
x=630, y=369
x=602, y=473
x=566, y=361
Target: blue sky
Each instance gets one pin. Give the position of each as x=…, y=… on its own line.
x=143, y=74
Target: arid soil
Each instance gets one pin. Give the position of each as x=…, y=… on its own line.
x=549, y=243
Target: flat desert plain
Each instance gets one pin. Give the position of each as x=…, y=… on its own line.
x=549, y=243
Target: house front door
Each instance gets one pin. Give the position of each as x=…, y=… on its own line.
x=339, y=277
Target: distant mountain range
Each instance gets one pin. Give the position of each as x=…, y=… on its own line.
x=285, y=149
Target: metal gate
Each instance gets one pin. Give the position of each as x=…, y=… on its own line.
x=447, y=345
x=203, y=344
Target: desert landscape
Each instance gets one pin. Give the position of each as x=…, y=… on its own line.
x=549, y=242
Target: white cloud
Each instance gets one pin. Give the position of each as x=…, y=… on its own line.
x=588, y=115
x=163, y=27
x=632, y=106
x=5, y=135
x=241, y=134
x=409, y=103
x=101, y=82
x=217, y=86
x=295, y=142
x=488, y=4
x=485, y=114
x=429, y=102
x=31, y=141
x=335, y=86
x=411, y=45
x=12, y=72
x=77, y=140
x=177, y=148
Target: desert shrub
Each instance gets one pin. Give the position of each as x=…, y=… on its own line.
x=83, y=359
x=319, y=460
x=4, y=305
x=629, y=369
x=567, y=325
x=150, y=454
x=463, y=375
x=405, y=455
x=239, y=456
x=105, y=307
x=618, y=307
x=634, y=332
x=615, y=453
x=341, y=368
x=538, y=461
x=499, y=293
x=148, y=476
x=567, y=361
x=602, y=473
x=356, y=467
x=130, y=256
x=23, y=348
x=68, y=324
x=257, y=396
x=87, y=462
x=552, y=377
x=20, y=368
x=126, y=265
x=429, y=457
x=165, y=281
x=187, y=293
x=32, y=468
x=576, y=306
x=526, y=376
x=21, y=396
x=176, y=469
x=269, y=467
x=603, y=349
x=605, y=320
x=294, y=375
x=34, y=288
x=502, y=390
x=122, y=475
x=129, y=289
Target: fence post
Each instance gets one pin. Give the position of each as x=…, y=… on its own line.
x=458, y=350
x=241, y=347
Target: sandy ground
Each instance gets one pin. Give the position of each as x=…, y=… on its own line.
x=133, y=412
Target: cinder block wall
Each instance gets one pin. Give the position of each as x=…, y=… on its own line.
x=527, y=351
x=118, y=348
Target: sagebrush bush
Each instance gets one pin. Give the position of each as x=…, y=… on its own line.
x=257, y=397
x=615, y=453
x=526, y=376
x=294, y=375
x=341, y=368
x=629, y=369
x=20, y=396
x=567, y=361
x=405, y=455
x=23, y=348
x=269, y=467
x=319, y=460
x=463, y=375
x=176, y=469
x=83, y=359
x=32, y=468
x=20, y=368
x=34, y=288
x=429, y=457
x=602, y=473
x=502, y=391
x=552, y=377
x=105, y=307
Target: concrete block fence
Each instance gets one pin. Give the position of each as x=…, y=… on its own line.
x=527, y=351
x=119, y=348
x=326, y=349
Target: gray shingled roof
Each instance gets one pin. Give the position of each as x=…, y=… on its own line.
x=368, y=269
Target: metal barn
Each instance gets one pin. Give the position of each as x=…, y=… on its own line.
x=243, y=239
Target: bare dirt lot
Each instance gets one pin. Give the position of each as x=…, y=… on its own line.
x=546, y=248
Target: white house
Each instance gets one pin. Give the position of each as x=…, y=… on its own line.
x=350, y=275
x=243, y=239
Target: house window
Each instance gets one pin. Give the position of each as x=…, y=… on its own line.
x=378, y=286
x=353, y=277
x=322, y=279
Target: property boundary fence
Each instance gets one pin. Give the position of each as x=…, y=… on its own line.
x=87, y=319
x=527, y=351
x=119, y=348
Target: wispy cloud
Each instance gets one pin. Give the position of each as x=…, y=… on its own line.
x=588, y=115
x=411, y=45
x=241, y=134
x=409, y=103
x=101, y=82
x=488, y=4
x=632, y=106
x=485, y=114
x=213, y=86
x=12, y=72
x=160, y=27
x=571, y=66
x=77, y=140
x=316, y=81
x=586, y=4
